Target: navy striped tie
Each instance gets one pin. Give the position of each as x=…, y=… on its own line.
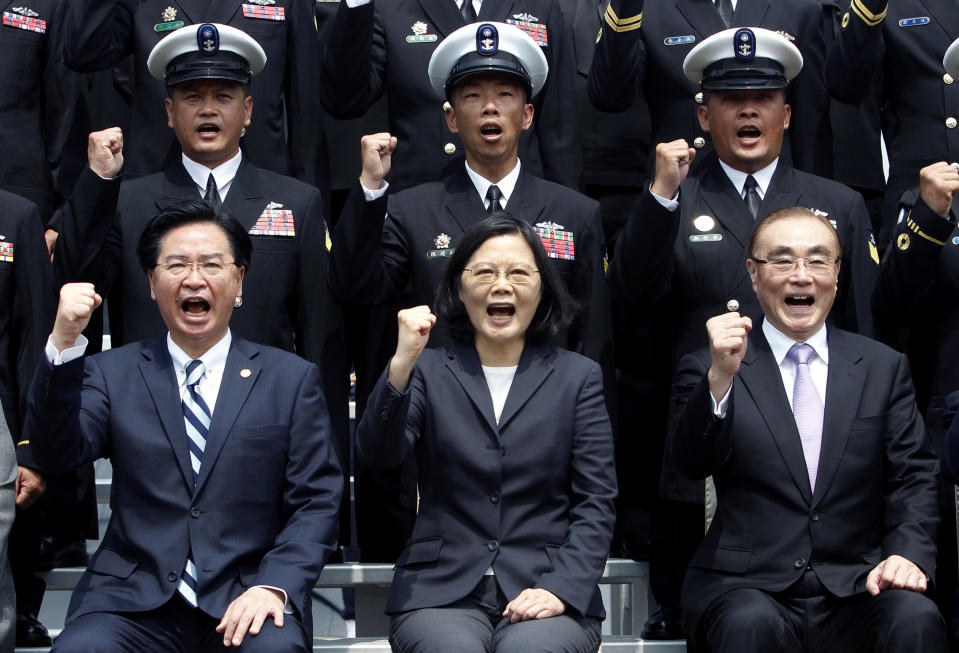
x=197, y=417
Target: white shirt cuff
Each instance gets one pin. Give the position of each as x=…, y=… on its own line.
x=719, y=410
x=69, y=354
x=287, y=608
x=375, y=194
x=668, y=204
x=353, y=4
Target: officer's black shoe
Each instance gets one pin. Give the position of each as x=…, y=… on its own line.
x=665, y=623
x=58, y=552
x=30, y=632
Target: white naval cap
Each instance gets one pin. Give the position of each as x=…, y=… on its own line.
x=742, y=58
x=206, y=51
x=951, y=59
x=487, y=47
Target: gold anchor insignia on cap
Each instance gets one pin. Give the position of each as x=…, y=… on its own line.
x=245, y=373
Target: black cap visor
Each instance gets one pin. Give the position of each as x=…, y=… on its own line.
x=733, y=75
x=475, y=63
x=195, y=65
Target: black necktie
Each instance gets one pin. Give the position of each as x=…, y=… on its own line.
x=752, y=196
x=212, y=194
x=469, y=14
x=493, y=195
x=725, y=11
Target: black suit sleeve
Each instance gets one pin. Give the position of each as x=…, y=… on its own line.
x=89, y=245
x=858, y=52
x=698, y=441
x=390, y=425
x=619, y=63
x=911, y=511
x=97, y=33
x=359, y=274
x=354, y=62
x=809, y=132
x=859, y=270
x=556, y=125
x=642, y=266
x=31, y=318
x=908, y=276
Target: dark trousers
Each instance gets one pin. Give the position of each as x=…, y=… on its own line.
x=475, y=625
x=174, y=627
x=806, y=617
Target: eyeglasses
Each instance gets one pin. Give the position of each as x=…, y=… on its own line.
x=487, y=273
x=205, y=268
x=785, y=264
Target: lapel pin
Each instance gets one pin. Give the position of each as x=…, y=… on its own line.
x=245, y=373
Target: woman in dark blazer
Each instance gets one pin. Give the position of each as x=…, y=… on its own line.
x=515, y=458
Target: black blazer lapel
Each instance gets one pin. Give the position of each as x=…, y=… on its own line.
x=943, y=14
x=156, y=368
x=702, y=16
x=844, y=385
x=462, y=201
x=247, y=198
x=525, y=201
x=465, y=365
x=782, y=192
x=444, y=15
x=535, y=365
x=177, y=186
x=234, y=390
x=761, y=378
x=750, y=12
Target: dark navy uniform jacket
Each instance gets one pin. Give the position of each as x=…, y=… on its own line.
x=643, y=45
x=900, y=50
x=284, y=130
x=385, y=47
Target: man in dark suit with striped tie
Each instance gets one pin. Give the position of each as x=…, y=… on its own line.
x=226, y=485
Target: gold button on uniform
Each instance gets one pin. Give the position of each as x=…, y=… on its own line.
x=449, y=148
x=699, y=142
x=951, y=122
x=447, y=106
x=948, y=79
x=699, y=98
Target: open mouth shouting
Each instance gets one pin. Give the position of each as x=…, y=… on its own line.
x=195, y=308
x=749, y=134
x=491, y=131
x=501, y=313
x=208, y=130
x=799, y=301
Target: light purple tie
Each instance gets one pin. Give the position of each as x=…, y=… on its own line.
x=807, y=408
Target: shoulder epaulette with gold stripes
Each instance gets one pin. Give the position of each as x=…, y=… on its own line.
x=857, y=7
x=623, y=24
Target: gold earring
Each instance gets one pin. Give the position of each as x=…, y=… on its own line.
x=238, y=302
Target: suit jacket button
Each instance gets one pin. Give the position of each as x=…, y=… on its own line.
x=385, y=415
x=699, y=142
x=194, y=512
x=800, y=563
x=492, y=545
x=494, y=498
x=449, y=148
x=814, y=516
x=173, y=576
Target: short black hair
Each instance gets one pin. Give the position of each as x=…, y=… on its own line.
x=556, y=308
x=192, y=212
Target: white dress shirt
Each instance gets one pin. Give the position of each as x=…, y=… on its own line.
x=223, y=174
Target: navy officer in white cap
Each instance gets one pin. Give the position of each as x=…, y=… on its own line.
x=681, y=254
x=488, y=73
